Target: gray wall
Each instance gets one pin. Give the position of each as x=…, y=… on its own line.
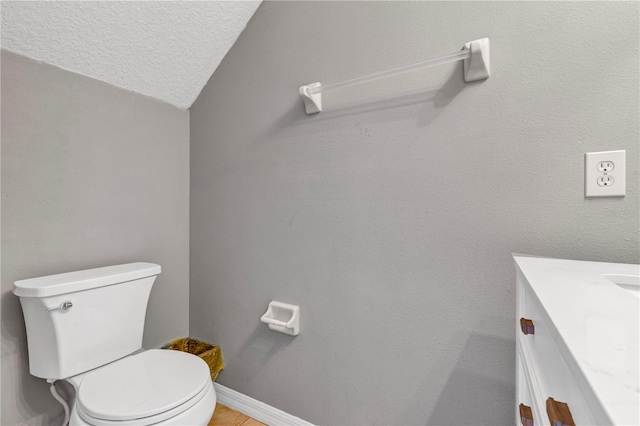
x=92, y=175
x=391, y=219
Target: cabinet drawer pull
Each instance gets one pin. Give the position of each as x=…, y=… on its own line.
x=559, y=414
x=526, y=325
x=526, y=416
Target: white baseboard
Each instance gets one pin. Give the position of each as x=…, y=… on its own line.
x=255, y=409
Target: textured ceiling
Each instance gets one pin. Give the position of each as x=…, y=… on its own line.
x=166, y=50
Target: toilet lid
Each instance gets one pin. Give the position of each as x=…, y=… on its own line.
x=142, y=385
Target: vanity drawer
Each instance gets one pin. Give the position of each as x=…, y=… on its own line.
x=526, y=400
x=549, y=366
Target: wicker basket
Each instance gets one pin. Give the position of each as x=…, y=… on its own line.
x=212, y=355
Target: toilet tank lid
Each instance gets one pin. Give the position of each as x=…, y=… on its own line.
x=69, y=282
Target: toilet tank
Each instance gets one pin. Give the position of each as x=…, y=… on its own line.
x=81, y=320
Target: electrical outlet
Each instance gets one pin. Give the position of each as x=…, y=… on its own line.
x=604, y=174
x=605, y=180
x=605, y=166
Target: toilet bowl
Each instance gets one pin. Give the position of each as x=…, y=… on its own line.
x=154, y=387
x=86, y=327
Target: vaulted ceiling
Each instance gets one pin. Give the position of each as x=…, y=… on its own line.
x=163, y=49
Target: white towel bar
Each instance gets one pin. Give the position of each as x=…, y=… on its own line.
x=476, y=67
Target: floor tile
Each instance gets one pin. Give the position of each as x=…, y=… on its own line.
x=225, y=416
x=252, y=422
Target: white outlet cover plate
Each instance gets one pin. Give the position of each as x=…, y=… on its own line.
x=592, y=174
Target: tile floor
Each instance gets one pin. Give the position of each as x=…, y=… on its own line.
x=225, y=416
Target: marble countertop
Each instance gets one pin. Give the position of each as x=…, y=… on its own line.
x=599, y=323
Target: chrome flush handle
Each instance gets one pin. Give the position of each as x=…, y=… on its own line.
x=64, y=306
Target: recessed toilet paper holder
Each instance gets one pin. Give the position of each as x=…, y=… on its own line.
x=282, y=317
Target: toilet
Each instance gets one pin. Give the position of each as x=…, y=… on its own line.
x=86, y=328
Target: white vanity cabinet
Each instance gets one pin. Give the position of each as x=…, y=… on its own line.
x=577, y=333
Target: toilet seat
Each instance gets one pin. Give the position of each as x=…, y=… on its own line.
x=146, y=388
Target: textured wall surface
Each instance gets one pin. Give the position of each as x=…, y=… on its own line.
x=92, y=175
x=391, y=219
x=166, y=50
